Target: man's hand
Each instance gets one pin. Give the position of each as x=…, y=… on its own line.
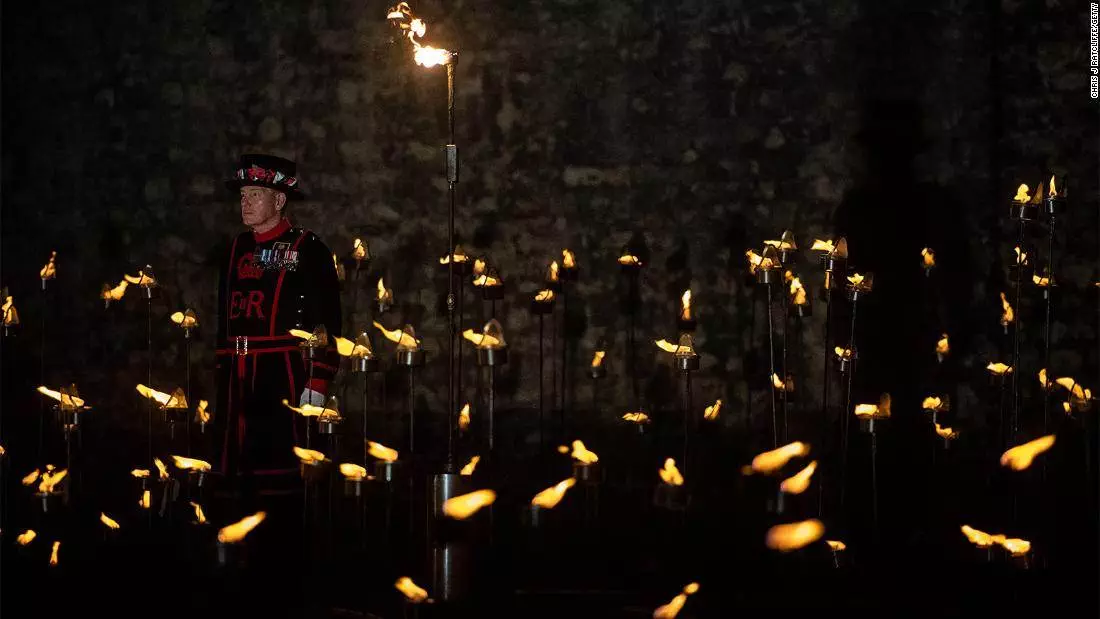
x=310, y=396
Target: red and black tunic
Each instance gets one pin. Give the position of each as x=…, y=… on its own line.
x=270, y=283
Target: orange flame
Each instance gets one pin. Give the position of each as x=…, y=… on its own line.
x=113, y=294
x=186, y=319
x=201, y=414
x=932, y=404
x=685, y=305
x=53, y=553
x=946, y=433
x=1008, y=315
x=50, y=480
x=673, y=608
x=597, y=358
x=380, y=451
x=162, y=471
x=308, y=456
x=459, y=256
x=552, y=272
x=176, y=400
x=568, y=260
x=771, y=461
x=1022, y=194
x=685, y=347
x=140, y=473
x=414, y=29
x=788, y=537
x=143, y=279
x=550, y=497
x=11, y=315
x=491, y=336
x=798, y=292
x=200, y=518
x=68, y=401
x=875, y=411
x=463, y=506
x=31, y=477
x=1016, y=547
x=235, y=532
x=928, y=258
x=842, y=353
x=981, y=539
x=359, y=250
x=637, y=417
x=352, y=472
x=710, y=413
x=383, y=294
x=826, y=246
x=1053, y=188
x=544, y=296
x=628, y=259
x=798, y=483
x=146, y=500
x=1042, y=282
x=836, y=545
x=26, y=537
x=1020, y=457
x=410, y=590
x=464, y=417
x=670, y=474
x=404, y=338
x=470, y=466
x=1021, y=256
x=999, y=369
x=780, y=385
x=943, y=347
x=107, y=520
x=191, y=464
x=582, y=455
x=50, y=270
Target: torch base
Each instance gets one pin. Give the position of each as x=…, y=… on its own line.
x=492, y=293
x=410, y=358
x=802, y=311
x=587, y=473
x=365, y=364
x=175, y=415
x=769, y=276
x=597, y=372
x=1055, y=206
x=538, y=308
x=313, y=472
x=1023, y=212
x=388, y=472
x=446, y=486
x=353, y=487
x=869, y=425
x=492, y=356
x=672, y=498
x=327, y=426
x=687, y=364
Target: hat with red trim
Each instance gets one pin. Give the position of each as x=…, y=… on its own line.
x=266, y=171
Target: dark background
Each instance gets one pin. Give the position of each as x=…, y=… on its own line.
x=697, y=129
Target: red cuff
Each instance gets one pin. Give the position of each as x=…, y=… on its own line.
x=318, y=384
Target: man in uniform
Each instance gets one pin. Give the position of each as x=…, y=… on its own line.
x=276, y=277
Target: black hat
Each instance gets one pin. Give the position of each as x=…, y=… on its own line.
x=267, y=171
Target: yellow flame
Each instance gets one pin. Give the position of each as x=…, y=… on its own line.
x=685, y=305
x=174, y=400
x=380, y=451
x=463, y=506
x=946, y=433
x=358, y=250
x=479, y=267
x=1075, y=389
x=50, y=479
x=186, y=319
x=142, y=279
x=826, y=246
x=836, y=545
x=1041, y=282
x=353, y=472
x=928, y=257
x=552, y=272
x=628, y=259
x=11, y=315
x=710, y=413
x=145, y=500
x=403, y=340
x=414, y=29
x=842, y=353
x=582, y=455
x=308, y=456
x=26, y=537
x=1008, y=314
x=107, y=520
x=486, y=280
x=637, y=417
x=200, y=412
x=1053, y=188
x=1021, y=256
x=932, y=403
x=999, y=369
x=53, y=553
x=459, y=256
x=943, y=347
x=464, y=417
x=981, y=539
x=200, y=517
x=49, y=271
x=114, y=294
x=756, y=261
x=383, y=294
x=798, y=292
x=788, y=537
x=411, y=591
x=140, y=473
x=162, y=470
x=235, y=532
x=771, y=461
x=1016, y=547
x=1022, y=194
x=31, y=477
x=683, y=347
x=1020, y=457
x=550, y=497
x=797, y=483
x=191, y=464
x=670, y=474
x=65, y=399
x=568, y=260
x=481, y=340
x=597, y=358
x=544, y=296
x=673, y=608
x=778, y=383
x=470, y=466
x=856, y=279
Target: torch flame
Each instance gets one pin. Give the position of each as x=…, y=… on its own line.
x=670, y=610
x=710, y=413
x=470, y=466
x=491, y=336
x=842, y=353
x=826, y=246
x=11, y=315
x=798, y=292
x=1053, y=188
x=235, y=532
x=788, y=537
x=464, y=417
x=309, y=456
x=928, y=257
x=107, y=520
x=552, y=272
x=670, y=474
x=463, y=506
x=380, y=451
x=946, y=433
x=50, y=270
x=186, y=319
x=414, y=29
x=836, y=545
x=637, y=417
x=1042, y=282
x=384, y=295
x=409, y=589
x=404, y=338
x=1020, y=457
x=67, y=400
x=597, y=358
x=981, y=539
x=113, y=294
x=785, y=242
x=162, y=471
x=568, y=260
x=628, y=259
x=771, y=461
x=1016, y=547
x=143, y=279
x=140, y=473
x=201, y=414
x=875, y=411
x=1008, y=315
x=353, y=472
x=999, y=369
x=51, y=479
x=685, y=346
x=145, y=500
x=459, y=256
x=26, y=537
x=53, y=553
x=780, y=385
x=359, y=250
x=933, y=404
x=30, y=478
x=685, y=305
x=943, y=347
x=1021, y=256
x=549, y=498
x=544, y=296
x=176, y=400
x=798, y=483
x=1022, y=194
x=191, y=464
x=200, y=518
x=581, y=454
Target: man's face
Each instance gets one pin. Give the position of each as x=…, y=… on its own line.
x=260, y=204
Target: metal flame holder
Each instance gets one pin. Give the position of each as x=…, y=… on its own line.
x=50, y=501
x=365, y=365
x=175, y=414
x=868, y=425
x=451, y=564
x=353, y=487
x=598, y=372
x=492, y=293
x=587, y=473
x=805, y=310
x=542, y=309
x=671, y=498
x=1054, y=207
x=492, y=357
x=381, y=307
x=313, y=472
x=389, y=472
x=844, y=362
x=231, y=555
x=769, y=276
x=1023, y=211
x=687, y=363
x=410, y=358
x=327, y=426
x=687, y=326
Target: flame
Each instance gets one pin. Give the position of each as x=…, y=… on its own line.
x=340, y=272
x=842, y=353
x=932, y=404
x=107, y=520
x=981, y=539
x=628, y=259
x=361, y=350
x=1021, y=256
x=999, y=369
x=1008, y=315
x=685, y=305
x=186, y=319
x=201, y=414
x=175, y=400
x=757, y=262
x=200, y=518
x=53, y=553
x=1020, y=457
x=463, y=506
x=403, y=339
x=798, y=483
x=113, y=294
x=549, y=498
x=665, y=345
x=459, y=256
x=143, y=279
x=875, y=411
x=637, y=417
x=1042, y=282
x=825, y=246
x=410, y=590
x=836, y=545
x=1022, y=194
x=684, y=348
x=1053, y=188
x=235, y=532
x=943, y=347
x=470, y=466
x=946, y=433
x=162, y=471
x=1016, y=547
x=312, y=410
x=928, y=257
x=359, y=250
x=670, y=610
x=1076, y=390
x=309, y=456
x=30, y=478
x=552, y=272
x=140, y=473
x=191, y=464
x=788, y=537
x=771, y=461
x=486, y=280
x=581, y=454
x=568, y=260
x=383, y=295
x=50, y=479
x=50, y=270
x=380, y=451
x=856, y=279
x=26, y=537
x=780, y=385
x=414, y=29
x=597, y=358
x=710, y=413
x=798, y=292
x=145, y=500
x=65, y=399
x=353, y=472
x=670, y=474
x=491, y=336
x=11, y=315
x=479, y=267
x=785, y=242
x=544, y=296
x=464, y=417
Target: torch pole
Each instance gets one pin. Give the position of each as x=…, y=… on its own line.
x=825, y=387
x=365, y=379
x=564, y=356
x=783, y=364
x=1048, y=292
x=42, y=371
x=848, y=402
x=452, y=180
x=149, y=372
x=771, y=366
x=542, y=391
x=187, y=348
